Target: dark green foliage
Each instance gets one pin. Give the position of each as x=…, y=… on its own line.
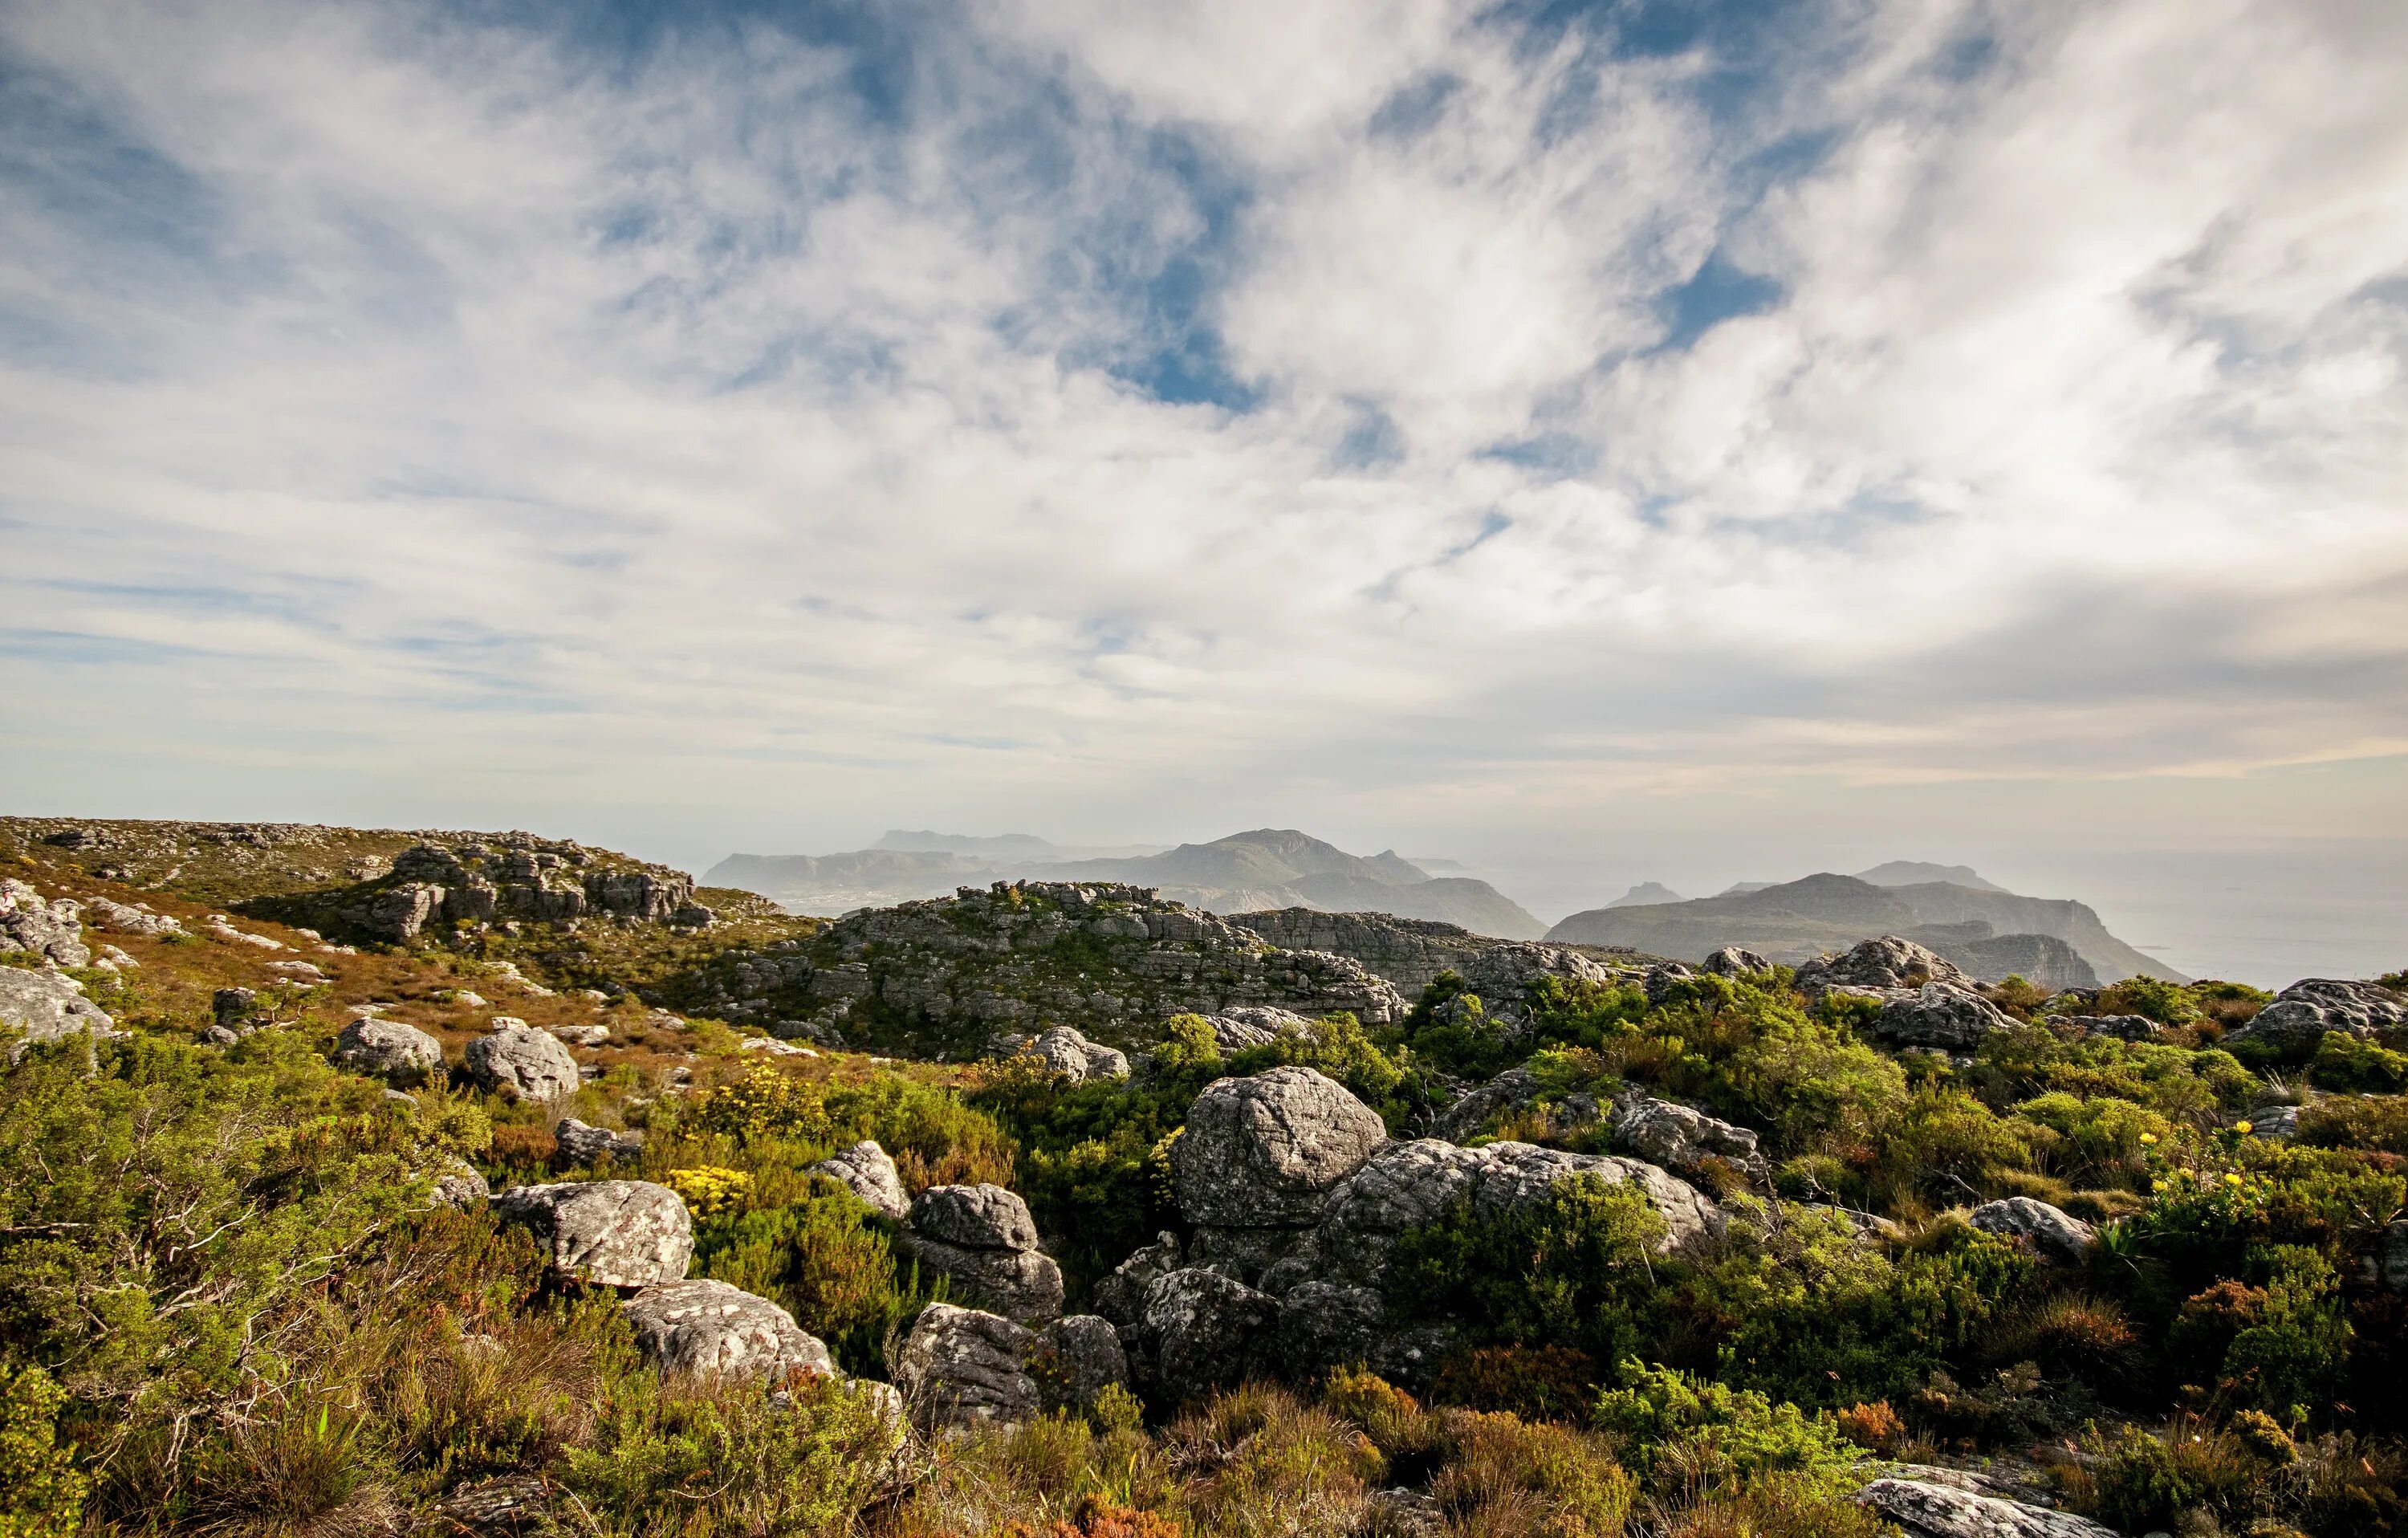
x=1573, y=1271
x=1715, y=1435
x=2351, y=1063
x=824, y=1258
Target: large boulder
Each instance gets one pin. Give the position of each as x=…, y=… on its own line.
x=710, y=1327
x=1207, y=1331
x=1077, y=1359
x=1887, y=963
x=1264, y=1151
x=1939, y=1014
x=52, y=931
x=583, y=1143
x=2057, y=1235
x=961, y=1367
x=529, y=1064
x=46, y=1005
x=1072, y=1056
x=978, y=1217
x=1735, y=961
x=388, y=1049
x=119, y=918
x=866, y=1169
x=2303, y=1012
x=1680, y=1137
x=1931, y=1510
x=622, y=1233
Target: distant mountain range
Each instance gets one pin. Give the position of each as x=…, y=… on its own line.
x=1976, y=924
x=1267, y=868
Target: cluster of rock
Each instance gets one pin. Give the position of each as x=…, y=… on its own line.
x=1411, y=953
x=52, y=931
x=1926, y=1000
x=43, y=1003
x=983, y=1239
x=1066, y=1051
x=515, y=877
x=2303, y=1012
x=1102, y=959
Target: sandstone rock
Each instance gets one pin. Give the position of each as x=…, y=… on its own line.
x=2303, y=1012
x=1733, y=961
x=961, y=1367
x=46, y=1005
x=1207, y=1331
x=2124, y=1027
x=2057, y=1234
x=1244, y=1025
x=1888, y=962
x=624, y=1233
x=1025, y=1286
x=1262, y=1151
x=389, y=1049
x=576, y=1036
x=1411, y=953
x=1943, y=1510
x=2276, y=1122
x=978, y=1217
x=529, y=1064
x=1941, y=1015
x=1121, y=1296
x=710, y=1327
x=1079, y=1357
x=581, y=1143
x=215, y=1035
x=460, y=1186
x=1072, y=1056
x=1679, y=1137
x=866, y=1168
x=1323, y=1325
x=52, y=931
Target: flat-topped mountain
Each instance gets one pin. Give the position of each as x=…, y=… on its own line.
x=1251, y=871
x=1990, y=932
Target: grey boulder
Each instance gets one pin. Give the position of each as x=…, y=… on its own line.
x=713, y=1328
x=119, y=918
x=960, y=1367
x=1244, y=1025
x=587, y=1144
x=1945, y=1511
x=1071, y=1054
x=2303, y=1012
x=1264, y=1151
x=866, y=1171
x=1077, y=1359
x=1680, y=1137
x=2057, y=1234
x=1207, y=1331
x=622, y=1233
x=52, y=931
x=978, y=1217
x=528, y=1064
x=1732, y=961
x=46, y=1005
x=1888, y=962
x=1020, y=1285
x=1121, y=1296
x=389, y=1049
x=1940, y=1014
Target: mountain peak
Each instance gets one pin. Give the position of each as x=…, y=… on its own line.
x=1645, y=894
x=1918, y=872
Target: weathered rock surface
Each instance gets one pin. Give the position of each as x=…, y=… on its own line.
x=460, y=1186
x=1077, y=1359
x=1515, y=1089
x=583, y=1143
x=1121, y=1296
x=125, y=919
x=1945, y=1511
x=531, y=1064
x=1411, y=952
x=1735, y=961
x=1941, y=1015
x=870, y=1173
x=1323, y=1325
x=1207, y=1331
x=961, y=1367
x=1072, y=1056
x=624, y=1233
x=1020, y=1285
x=52, y=931
x=978, y=1217
x=232, y=1006
x=46, y=1005
x=2303, y=1012
x=1888, y=962
x=389, y=1049
x=710, y=1327
x=519, y=877
x=1680, y=1137
x=1262, y=1151
x=1407, y=1184
x=2057, y=1234
x=1243, y=1026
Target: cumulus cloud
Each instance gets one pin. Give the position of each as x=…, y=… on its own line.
x=1153, y=417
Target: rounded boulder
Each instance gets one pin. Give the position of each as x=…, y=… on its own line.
x=1264, y=1151
x=528, y=1063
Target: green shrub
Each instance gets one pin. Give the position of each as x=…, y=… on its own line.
x=824, y=1258
x=41, y=1489
x=2347, y=1062
x=1679, y=1428
x=1572, y=1270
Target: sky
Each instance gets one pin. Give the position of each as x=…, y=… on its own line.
x=1596, y=442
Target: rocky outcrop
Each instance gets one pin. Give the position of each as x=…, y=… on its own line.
x=1242, y=1026
x=531, y=1065
x=1938, y=1014
x=981, y=1238
x=1927, y=1510
x=869, y=1173
x=52, y=931
x=1076, y=1058
x=1682, y=1138
x=2056, y=1235
x=2303, y=1012
x=1207, y=1330
x=43, y=1004
x=515, y=878
x=1262, y=1152
x=581, y=1143
x=1111, y=961
x=1515, y=1090
x=1411, y=953
x=129, y=919
x=960, y=1367
x=622, y=1233
x=712, y=1328
x=1886, y=964
x=1735, y=961
x=1327, y=1325
x=1121, y=1296
x=388, y=1049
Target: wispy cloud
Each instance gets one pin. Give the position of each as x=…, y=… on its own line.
x=1069, y=409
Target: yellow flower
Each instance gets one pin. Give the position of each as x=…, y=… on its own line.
x=710, y=1189
x=2242, y=1128
x=2231, y=1179
x=2157, y=1185
x=2148, y=1140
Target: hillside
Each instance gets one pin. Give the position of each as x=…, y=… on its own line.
x=1796, y=921
x=525, y=1225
